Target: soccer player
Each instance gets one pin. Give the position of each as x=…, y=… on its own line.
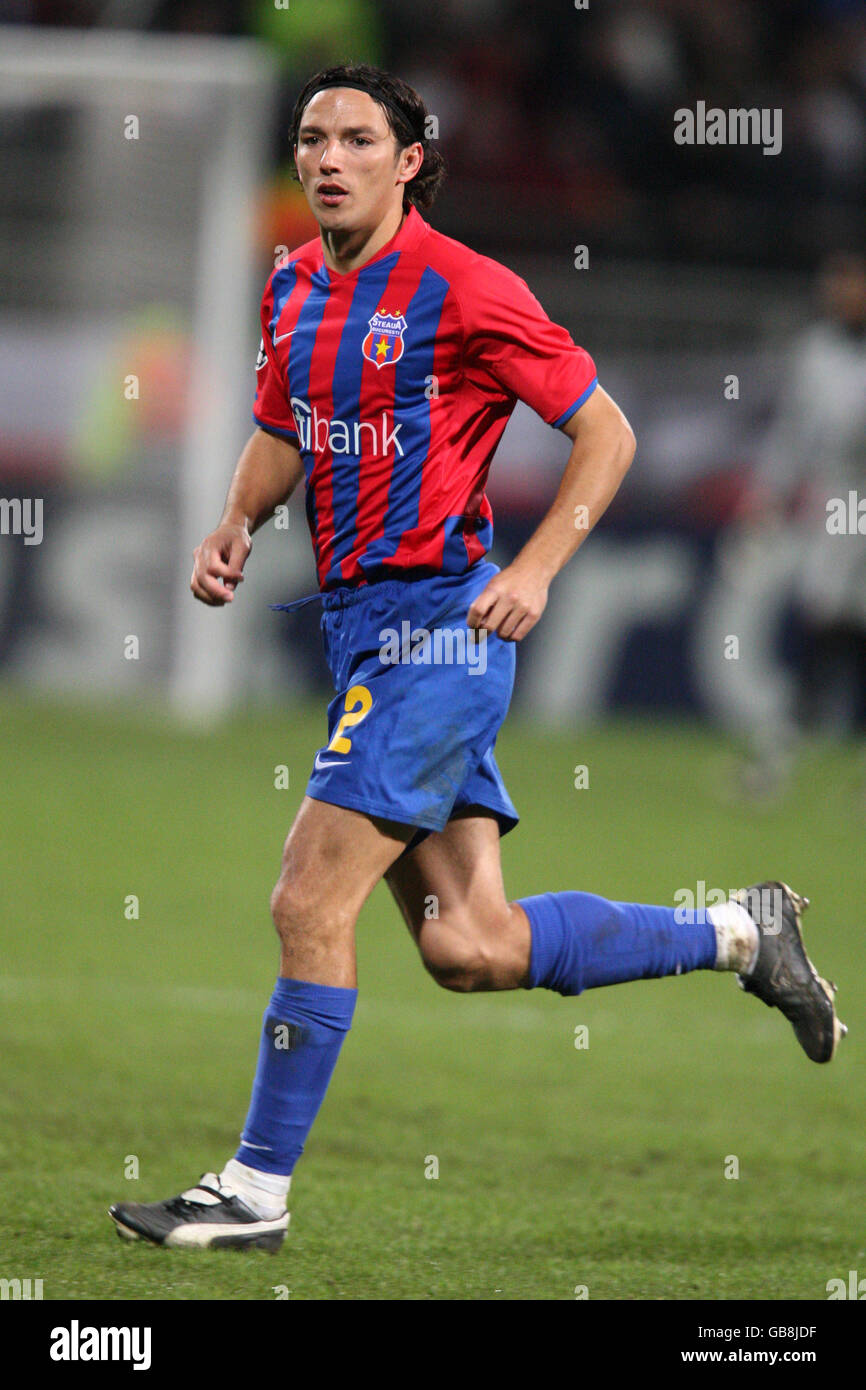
x=391, y=360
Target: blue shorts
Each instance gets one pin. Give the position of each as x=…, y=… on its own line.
x=420, y=701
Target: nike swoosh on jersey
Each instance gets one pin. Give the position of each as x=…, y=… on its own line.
x=283, y=336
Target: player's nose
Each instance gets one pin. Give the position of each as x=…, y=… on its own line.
x=330, y=159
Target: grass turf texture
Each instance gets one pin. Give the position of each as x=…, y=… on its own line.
x=558, y=1167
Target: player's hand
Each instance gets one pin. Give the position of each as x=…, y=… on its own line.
x=219, y=563
x=510, y=606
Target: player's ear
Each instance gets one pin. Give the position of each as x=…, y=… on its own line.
x=411, y=157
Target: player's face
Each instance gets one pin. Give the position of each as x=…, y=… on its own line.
x=348, y=160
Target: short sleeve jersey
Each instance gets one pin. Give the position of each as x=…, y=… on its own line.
x=395, y=382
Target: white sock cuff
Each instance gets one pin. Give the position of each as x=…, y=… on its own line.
x=737, y=938
x=240, y=1175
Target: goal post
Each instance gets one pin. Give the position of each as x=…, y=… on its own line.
x=137, y=166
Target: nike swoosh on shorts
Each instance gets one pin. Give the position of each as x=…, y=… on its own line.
x=336, y=762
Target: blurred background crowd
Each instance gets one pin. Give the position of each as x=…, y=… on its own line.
x=546, y=109
x=722, y=292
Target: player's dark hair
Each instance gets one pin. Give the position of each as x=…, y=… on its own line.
x=406, y=114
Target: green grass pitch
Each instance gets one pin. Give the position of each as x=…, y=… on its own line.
x=558, y=1167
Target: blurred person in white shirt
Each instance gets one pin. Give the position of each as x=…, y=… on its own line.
x=802, y=503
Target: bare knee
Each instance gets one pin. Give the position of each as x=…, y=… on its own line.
x=300, y=907
x=457, y=959
x=489, y=951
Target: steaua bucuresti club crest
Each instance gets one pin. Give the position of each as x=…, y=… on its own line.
x=384, y=343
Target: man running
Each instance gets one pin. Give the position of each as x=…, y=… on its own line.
x=391, y=360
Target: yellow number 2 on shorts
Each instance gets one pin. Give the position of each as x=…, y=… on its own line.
x=358, y=704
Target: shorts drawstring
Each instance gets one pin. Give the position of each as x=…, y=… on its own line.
x=298, y=603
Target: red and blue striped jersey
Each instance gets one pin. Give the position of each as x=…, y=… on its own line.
x=395, y=382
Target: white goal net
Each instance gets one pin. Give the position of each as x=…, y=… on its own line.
x=131, y=169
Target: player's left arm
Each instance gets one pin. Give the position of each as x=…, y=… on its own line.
x=602, y=449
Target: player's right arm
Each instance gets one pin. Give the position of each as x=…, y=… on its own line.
x=268, y=471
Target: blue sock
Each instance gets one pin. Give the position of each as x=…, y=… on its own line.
x=580, y=941
x=303, y=1031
